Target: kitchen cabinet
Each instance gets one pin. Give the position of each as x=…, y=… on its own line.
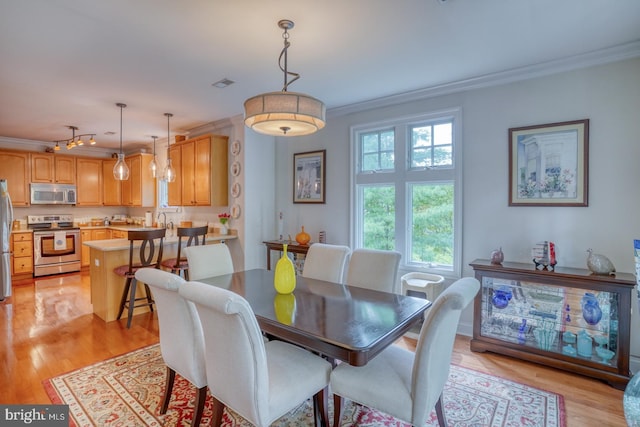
x=569, y=318
x=140, y=188
x=16, y=169
x=21, y=246
x=53, y=168
x=201, y=172
x=119, y=234
x=111, y=189
x=89, y=179
x=86, y=235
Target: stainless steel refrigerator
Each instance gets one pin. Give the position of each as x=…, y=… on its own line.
x=6, y=220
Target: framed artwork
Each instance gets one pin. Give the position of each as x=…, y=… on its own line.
x=549, y=164
x=309, y=177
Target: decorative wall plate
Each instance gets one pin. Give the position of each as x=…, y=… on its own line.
x=235, y=190
x=235, y=147
x=235, y=168
x=235, y=211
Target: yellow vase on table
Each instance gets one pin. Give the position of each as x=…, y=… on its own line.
x=285, y=274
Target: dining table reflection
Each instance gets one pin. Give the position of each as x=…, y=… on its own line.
x=341, y=322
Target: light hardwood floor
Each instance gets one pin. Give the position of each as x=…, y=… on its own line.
x=47, y=328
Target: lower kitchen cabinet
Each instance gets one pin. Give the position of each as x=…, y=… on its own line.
x=21, y=255
x=87, y=235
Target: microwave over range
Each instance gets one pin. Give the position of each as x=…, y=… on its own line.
x=53, y=194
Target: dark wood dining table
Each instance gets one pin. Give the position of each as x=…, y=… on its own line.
x=341, y=322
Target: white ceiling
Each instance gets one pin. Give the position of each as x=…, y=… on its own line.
x=68, y=62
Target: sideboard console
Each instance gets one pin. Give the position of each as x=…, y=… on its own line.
x=568, y=318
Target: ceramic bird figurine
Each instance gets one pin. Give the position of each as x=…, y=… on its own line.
x=599, y=264
x=497, y=256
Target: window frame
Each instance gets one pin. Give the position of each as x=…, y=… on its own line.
x=401, y=177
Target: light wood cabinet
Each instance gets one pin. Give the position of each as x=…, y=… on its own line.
x=140, y=188
x=15, y=167
x=87, y=235
x=201, y=172
x=119, y=234
x=52, y=168
x=89, y=179
x=112, y=191
x=21, y=246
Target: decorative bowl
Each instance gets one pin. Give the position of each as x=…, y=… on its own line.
x=601, y=340
x=604, y=354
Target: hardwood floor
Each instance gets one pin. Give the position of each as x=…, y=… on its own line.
x=47, y=328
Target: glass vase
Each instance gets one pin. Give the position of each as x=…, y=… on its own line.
x=285, y=274
x=631, y=401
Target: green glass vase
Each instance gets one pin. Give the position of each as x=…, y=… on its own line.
x=285, y=274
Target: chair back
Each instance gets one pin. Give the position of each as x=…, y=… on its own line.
x=326, y=262
x=195, y=236
x=181, y=336
x=435, y=346
x=208, y=261
x=374, y=269
x=236, y=358
x=149, y=255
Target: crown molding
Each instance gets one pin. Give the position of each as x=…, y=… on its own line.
x=589, y=59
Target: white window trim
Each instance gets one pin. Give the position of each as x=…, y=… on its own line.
x=355, y=227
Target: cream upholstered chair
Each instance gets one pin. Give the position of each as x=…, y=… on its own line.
x=260, y=381
x=208, y=261
x=374, y=269
x=413, y=382
x=181, y=337
x=326, y=262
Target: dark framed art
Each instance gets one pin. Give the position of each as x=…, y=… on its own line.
x=549, y=164
x=309, y=177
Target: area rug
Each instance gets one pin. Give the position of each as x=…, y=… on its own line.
x=126, y=391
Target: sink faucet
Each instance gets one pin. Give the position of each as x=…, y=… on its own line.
x=164, y=214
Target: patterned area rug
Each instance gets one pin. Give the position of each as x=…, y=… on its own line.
x=126, y=391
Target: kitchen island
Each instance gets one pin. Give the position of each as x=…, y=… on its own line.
x=107, y=287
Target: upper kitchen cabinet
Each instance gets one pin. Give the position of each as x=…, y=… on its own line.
x=201, y=172
x=140, y=189
x=112, y=191
x=48, y=167
x=89, y=179
x=16, y=170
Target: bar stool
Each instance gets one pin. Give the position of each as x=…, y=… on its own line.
x=179, y=265
x=147, y=258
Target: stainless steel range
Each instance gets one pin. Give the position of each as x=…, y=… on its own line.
x=56, y=244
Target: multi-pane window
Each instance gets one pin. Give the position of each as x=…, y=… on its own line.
x=407, y=190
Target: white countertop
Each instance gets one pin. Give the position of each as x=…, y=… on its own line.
x=120, y=244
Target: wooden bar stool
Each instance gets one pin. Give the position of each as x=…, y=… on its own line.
x=146, y=258
x=179, y=265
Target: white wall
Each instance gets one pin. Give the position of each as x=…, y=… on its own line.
x=608, y=95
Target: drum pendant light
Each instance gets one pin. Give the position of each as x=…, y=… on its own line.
x=284, y=113
x=121, y=170
x=169, y=171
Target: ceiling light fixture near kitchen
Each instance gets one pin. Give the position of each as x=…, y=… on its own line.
x=169, y=171
x=153, y=166
x=121, y=170
x=72, y=142
x=284, y=113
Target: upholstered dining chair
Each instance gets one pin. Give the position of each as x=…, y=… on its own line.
x=374, y=269
x=413, y=382
x=194, y=236
x=149, y=255
x=326, y=262
x=181, y=337
x=208, y=260
x=260, y=381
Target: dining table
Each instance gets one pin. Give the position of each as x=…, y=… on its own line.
x=340, y=322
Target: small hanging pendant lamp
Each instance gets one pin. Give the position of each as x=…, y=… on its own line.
x=121, y=170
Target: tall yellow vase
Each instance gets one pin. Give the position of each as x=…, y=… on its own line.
x=285, y=274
